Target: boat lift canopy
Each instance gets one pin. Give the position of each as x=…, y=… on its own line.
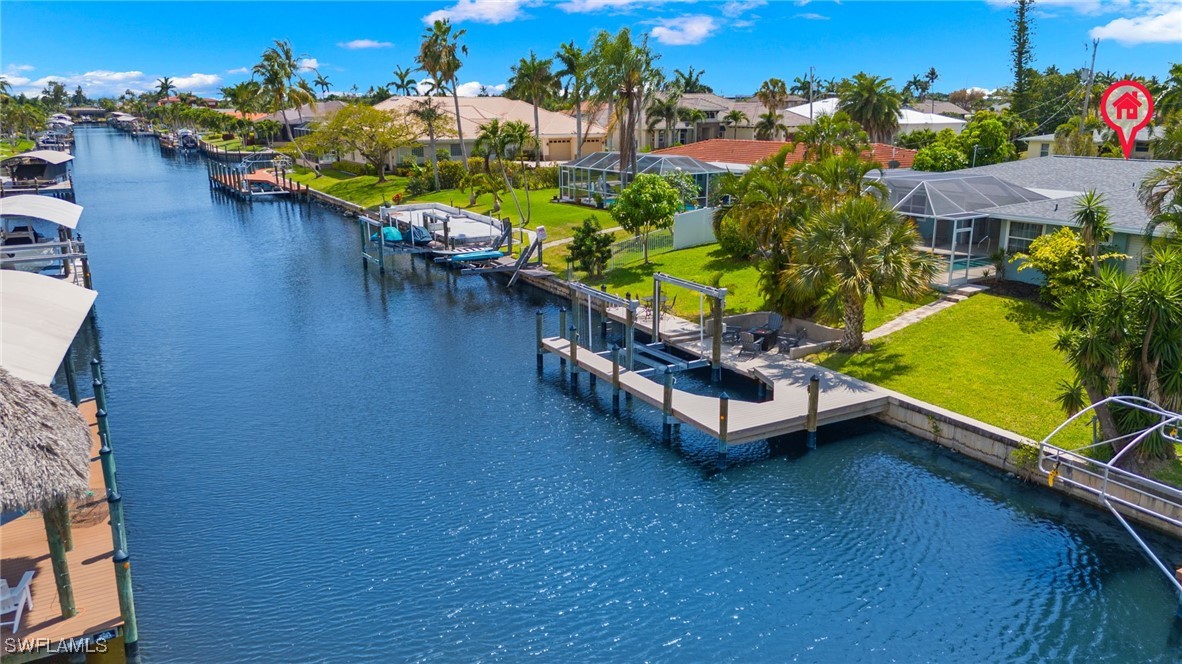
x=48, y=208
x=41, y=317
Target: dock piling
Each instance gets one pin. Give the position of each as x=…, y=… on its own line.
x=540, y=351
x=724, y=407
x=71, y=379
x=574, y=355
x=615, y=379
x=814, y=398
x=667, y=408
x=562, y=334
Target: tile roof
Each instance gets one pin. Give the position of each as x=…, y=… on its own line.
x=475, y=112
x=730, y=151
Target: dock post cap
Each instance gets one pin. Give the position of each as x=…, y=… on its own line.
x=724, y=396
x=120, y=557
x=94, y=362
x=100, y=413
x=815, y=378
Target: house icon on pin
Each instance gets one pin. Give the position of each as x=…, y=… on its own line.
x=1128, y=106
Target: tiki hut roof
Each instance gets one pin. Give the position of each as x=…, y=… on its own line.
x=44, y=447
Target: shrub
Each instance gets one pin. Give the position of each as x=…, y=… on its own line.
x=451, y=174
x=733, y=241
x=590, y=248
x=545, y=177
x=354, y=168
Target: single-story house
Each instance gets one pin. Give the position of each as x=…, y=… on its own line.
x=558, y=134
x=940, y=107
x=909, y=119
x=966, y=216
x=299, y=119
x=738, y=155
x=715, y=108
x=1043, y=145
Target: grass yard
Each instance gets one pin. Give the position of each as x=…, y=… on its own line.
x=991, y=358
x=364, y=190
x=11, y=147
x=560, y=219
x=234, y=144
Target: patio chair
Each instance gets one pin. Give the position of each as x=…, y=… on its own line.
x=787, y=342
x=748, y=345
x=730, y=334
x=16, y=600
x=775, y=322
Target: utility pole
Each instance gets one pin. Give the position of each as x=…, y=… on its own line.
x=1083, y=115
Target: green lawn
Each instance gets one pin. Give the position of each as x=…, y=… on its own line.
x=700, y=264
x=234, y=144
x=364, y=190
x=991, y=358
x=11, y=147
x=560, y=219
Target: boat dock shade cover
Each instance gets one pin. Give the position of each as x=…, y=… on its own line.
x=40, y=317
x=54, y=210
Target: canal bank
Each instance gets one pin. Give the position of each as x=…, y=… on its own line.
x=321, y=465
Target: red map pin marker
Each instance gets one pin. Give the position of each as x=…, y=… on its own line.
x=1127, y=107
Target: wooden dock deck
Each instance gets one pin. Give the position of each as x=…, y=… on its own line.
x=23, y=547
x=841, y=398
x=240, y=183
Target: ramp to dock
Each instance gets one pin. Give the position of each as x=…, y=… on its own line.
x=842, y=397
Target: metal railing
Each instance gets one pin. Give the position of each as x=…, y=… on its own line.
x=631, y=250
x=1116, y=486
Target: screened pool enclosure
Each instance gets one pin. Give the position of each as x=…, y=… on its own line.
x=598, y=174
x=954, y=213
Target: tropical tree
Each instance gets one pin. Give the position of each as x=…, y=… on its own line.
x=734, y=118
x=278, y=71
x=165, y=87
x=692, y=117
x=769, y=126
x=872, y=103
x=486, y=183
x=689, y=82
x=830, y=134
x=625, y=77
x=856, y=252
x=773, y=94
x=533, y=80
x=1095, y=227
x=435, y=124
x=267, y=130
x=663, y=109
x=591, y=248
x=802, y=86
x=575, y=74
x=403, y=84
x=439, y=57
x=373, y=134
x=323, y=83
x=645, y=205
x=505, y=141
x=1161, y=194
x=243, y=97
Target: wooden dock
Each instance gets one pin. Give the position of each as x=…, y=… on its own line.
x=24, y=547
x=841, y=397
x=246, y=185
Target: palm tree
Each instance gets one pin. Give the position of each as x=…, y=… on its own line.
x=516, y=142
x=439, y=56
x=692, y=116
x=575, y=66
x=1161, y=194
x=403, y=84
x=322, y=82
x=243, y=97
x=5, y=88
x=830, y=134
x=278, y=70
x=931, y=77
x=164, y=87
x=856, y=252
x=872, y=103
x=663, y=109
x=430, y=115
x=734, y=118
x=802, y=86
x=533, y=80
x=772, y=94
x=625, y=77
x=689, y=82
x=914, y=89
x=769, y=126
x=1095, y=228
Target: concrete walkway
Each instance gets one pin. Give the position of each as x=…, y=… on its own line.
x=907, y=318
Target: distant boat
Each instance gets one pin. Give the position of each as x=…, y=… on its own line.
x=188, y=140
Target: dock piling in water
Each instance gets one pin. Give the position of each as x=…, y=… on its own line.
x=724, y=407
x=811, y=422
x=615, y=379
x=667, y=408
x=540, y=350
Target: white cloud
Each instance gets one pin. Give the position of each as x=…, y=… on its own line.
x=735, y=8
x=472, y=89
x=615, y=6
x=238, y=70
x=480, y=11
x=308, y=64
x=197, y=82
x=358, y=44
x=1161, y=24
x=16, y=68
x=685, y=30
x=810, y=16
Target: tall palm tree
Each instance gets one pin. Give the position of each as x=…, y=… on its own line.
x=689, y=82
x=625, y=77
x=403, y=84
x=243, y=97
x=856, y=252
x=165, y=86
x=930, y=77
x=914, y=89
x=1095, y=227
x=533, y=80
x=278, y=70
x=439, y=56
x=430, y=115
x=323, y=83
x=692, y=116
x=773, y=94
x=576, y=64
x=872, y=103
x=663, y=109
x=1161, y=194
x=734, y=118
x=802, y=86
x=829, y=134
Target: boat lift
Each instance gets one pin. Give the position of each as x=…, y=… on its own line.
x=608, y=300
x=704, y=291
x=1116, y=488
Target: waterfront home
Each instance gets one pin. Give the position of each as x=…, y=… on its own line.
x=740, y=155
x=967, y=215
x=909, y=119
x=558, y=133
x=1043, y=145
x=299, y=120
x=714, y=123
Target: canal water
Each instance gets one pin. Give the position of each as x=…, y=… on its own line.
x=319, y=465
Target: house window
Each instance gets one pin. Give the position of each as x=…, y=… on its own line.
x=1021, y=234
x=1044, y=149
x=418, y=152
x=455, y=150
x=710, y=115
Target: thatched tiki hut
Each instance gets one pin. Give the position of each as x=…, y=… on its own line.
x=44, y=464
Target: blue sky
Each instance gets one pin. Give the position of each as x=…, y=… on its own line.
x=108, y=47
